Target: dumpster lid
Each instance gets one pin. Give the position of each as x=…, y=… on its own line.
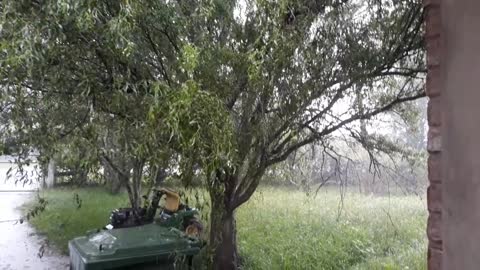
x=150, y=239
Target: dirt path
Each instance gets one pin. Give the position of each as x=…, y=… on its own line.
x=19, y=245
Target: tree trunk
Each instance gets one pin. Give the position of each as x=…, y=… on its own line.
x=115, y=185
x=160, y=176
x=223, y=236
x=112, y=179
x=80, y=177
x=50, y=180
x=137, y=183
x=361, y=111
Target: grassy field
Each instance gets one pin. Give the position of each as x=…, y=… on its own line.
x=284, y=229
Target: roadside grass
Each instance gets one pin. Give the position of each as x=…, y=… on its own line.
x=282, y=228
x=64, y=218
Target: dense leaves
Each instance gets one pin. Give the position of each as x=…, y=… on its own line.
x=222, y=88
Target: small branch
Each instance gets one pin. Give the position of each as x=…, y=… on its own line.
x=159, y=57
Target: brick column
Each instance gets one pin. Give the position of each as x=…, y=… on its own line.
x=434, y=145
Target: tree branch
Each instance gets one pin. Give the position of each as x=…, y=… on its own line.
x=317, y=136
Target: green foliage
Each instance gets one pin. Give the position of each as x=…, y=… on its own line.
x=199, y=126
x=92, y=72
x=275, y=72
x=195, y=85
x=282, y=228
x=189, y=59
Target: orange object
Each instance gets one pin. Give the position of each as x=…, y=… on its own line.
x=172, y=200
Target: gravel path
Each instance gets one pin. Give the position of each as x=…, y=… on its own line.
x=19, y=244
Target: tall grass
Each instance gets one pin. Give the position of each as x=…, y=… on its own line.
x=284, y=229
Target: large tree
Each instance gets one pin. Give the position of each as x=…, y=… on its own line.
x=230, y=88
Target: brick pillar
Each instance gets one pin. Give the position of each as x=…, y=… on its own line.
x=434, y=145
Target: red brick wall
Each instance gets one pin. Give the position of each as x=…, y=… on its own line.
x=434, y=147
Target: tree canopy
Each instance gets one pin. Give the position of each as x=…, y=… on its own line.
x=229, y=88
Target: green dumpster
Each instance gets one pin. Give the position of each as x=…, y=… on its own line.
x=120, y=248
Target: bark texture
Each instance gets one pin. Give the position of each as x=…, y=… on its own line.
x=223, y=236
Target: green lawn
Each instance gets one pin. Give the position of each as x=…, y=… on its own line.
x=283, y=229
